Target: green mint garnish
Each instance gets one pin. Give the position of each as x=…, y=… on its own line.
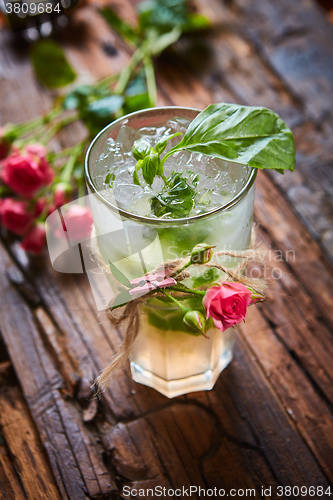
x=109, y=179
x=247, y=135
x=176, y=198
x=148, y=159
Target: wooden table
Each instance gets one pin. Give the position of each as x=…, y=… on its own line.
x=268, y=421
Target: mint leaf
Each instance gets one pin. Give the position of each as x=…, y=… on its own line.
x=150, y=167
x=160, y=146
x=249, y=135
x=148, y=158
x=141, y=148
x=51, y=65
x=176, y=198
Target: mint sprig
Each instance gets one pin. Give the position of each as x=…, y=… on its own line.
x=148, y=159
x=249, y=135
x=176, y=198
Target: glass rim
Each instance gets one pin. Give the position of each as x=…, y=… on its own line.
x=155, y=220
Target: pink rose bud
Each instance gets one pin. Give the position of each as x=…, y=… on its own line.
x=227, y=304
x=34, y=241
x=201, y=253
x=15, y=215
x=77, y=222
x=26, y=172
x=195, y=320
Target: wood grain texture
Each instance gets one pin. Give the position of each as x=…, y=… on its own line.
x=269, y=418
x=31, y=476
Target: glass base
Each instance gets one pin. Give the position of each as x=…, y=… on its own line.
x=200, y=382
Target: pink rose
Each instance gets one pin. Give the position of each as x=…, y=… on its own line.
x=78, y=221
x=227, y=304
x=34, y=241
x=15, y=215
x=26, y=172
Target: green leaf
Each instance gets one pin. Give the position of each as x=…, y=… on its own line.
x=141, y=148
x=105, y=107
x=119, y=275
x=136, y=179
x=135, y=102
x=97, y=114
x=175, y=199
x=51, y=65
x=137, y=85
x=196, y=22
x=109, y=179
x=150, y=167
x=136, y=95
x=249, y=135
x=78, y=97
x=162, y=15
x=160, y=146
x=170, y=318
x=119, y=25
x=209, y=276
x=121, y=299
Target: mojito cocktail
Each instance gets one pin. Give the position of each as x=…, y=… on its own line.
x=138, y=229
x=172, y=193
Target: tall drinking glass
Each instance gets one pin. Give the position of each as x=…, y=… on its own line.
x=165, y=355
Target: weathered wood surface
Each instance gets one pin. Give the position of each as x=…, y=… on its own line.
x=269, y=418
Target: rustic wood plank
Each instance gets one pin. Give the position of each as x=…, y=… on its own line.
x=76, y=463
x=10, y=481
x=294, y=38
x=292, y=310
x=10, y=487
x=310, y=264
x=252, y=396
x=239, y=61
x=33, y=475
